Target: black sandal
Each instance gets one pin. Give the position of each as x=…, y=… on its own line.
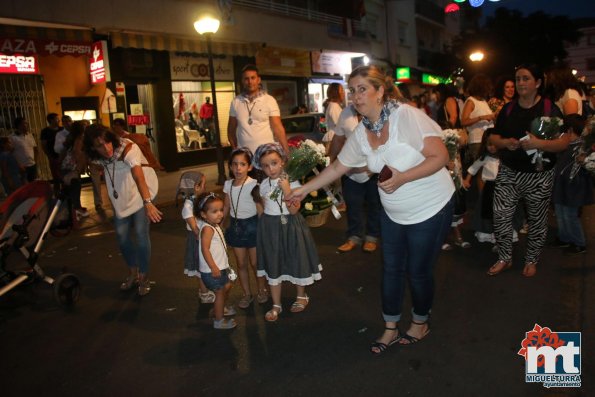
x=412, y=339
x=381, y=347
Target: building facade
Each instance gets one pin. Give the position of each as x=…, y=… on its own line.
x=157, y=63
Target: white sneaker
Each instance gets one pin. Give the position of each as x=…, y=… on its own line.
x=207, y=297
x=229, y=311
x=224, y=323
x=82, y=213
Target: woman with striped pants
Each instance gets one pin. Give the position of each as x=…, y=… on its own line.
x=520, y=176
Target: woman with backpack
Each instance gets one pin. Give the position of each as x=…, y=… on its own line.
x=519, y=176
x=132, y=185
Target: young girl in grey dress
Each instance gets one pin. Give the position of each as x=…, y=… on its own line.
x=284, y=244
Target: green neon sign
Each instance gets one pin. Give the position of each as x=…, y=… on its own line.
x=403, y=74
x=431, y=79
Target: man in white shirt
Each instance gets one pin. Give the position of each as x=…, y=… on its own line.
x=360, y=192
x=254, y=116
x=62, y=134
x=24, y=148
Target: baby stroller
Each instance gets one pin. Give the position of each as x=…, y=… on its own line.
x=186, y=185
x=25, y=220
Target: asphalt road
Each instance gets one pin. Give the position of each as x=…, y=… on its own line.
x=117, y=344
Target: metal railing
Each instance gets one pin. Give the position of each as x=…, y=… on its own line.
x=295, y=12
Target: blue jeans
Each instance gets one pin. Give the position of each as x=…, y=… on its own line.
x=362, y=200
x=570, y=229
x=137, y=252
x=410, y=252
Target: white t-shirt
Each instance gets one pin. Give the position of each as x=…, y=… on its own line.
x=259, y=132
x=490, y=168
x=119, y=172
x=333, y=112
x=217, y=249
x=241, y=207
x=345, y=127
x=571, y=94
x=416, y=201
x=476, y=130
x=60, y=139
x=24, y=149
x=188, y=211
x=273, y=207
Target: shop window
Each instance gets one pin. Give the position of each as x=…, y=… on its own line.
x=192, y=131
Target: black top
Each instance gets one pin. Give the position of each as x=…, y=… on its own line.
x=48, y=135
x=442, y=118
x=515, y=122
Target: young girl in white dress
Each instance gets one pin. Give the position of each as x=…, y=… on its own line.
x=213, y=262
x=285, y=247
x=241, y=232
x=192, y=241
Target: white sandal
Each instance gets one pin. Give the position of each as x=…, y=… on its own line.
x=297, y=307
x=273, y=314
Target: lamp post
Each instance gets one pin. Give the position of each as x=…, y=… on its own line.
x=207, y=26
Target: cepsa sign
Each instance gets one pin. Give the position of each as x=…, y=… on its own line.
x=18, y=64
x=99, y=63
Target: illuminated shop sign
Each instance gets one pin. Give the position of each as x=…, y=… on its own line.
x=18, y=64
x=44, y=47
x=403, y=74
x=433, y=80
x=99, y=63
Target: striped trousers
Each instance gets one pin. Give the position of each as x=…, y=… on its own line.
x=535, y=189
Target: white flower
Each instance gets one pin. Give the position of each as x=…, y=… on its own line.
x=328, y=199
x=309, y=206
x=327, y=161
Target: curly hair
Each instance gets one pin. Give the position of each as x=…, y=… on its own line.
x=94, y=132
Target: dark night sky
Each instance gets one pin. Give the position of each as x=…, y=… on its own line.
x=570, y=8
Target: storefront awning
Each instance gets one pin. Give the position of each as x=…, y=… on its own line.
x=168, y=43
x=34, y=32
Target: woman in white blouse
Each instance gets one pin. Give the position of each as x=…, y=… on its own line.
x=131, y=185
x=477, y=115
x=564, y=89
x=336, y=99
x=416, y=196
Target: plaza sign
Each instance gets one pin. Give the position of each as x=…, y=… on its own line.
x=44, y=47
x=403, y=74
x=18, y=64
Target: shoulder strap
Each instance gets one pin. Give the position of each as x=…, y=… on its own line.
x=547, y=107
x=126, y=150
x=510, y=106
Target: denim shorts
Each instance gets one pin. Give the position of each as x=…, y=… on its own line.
x=241, y=233
x=214, y=283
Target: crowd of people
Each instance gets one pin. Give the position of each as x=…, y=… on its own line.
x=395, y=170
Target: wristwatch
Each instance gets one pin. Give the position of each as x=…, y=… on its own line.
x=147, y=201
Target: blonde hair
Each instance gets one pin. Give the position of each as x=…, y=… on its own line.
x=377, y=78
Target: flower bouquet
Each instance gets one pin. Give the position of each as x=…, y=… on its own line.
x=544, y=128
x=316, y=207
x=302, y=160
x=587, y=152
x=451, y=141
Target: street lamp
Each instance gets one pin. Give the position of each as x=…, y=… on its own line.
x=207, y=26
x=476, y=56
